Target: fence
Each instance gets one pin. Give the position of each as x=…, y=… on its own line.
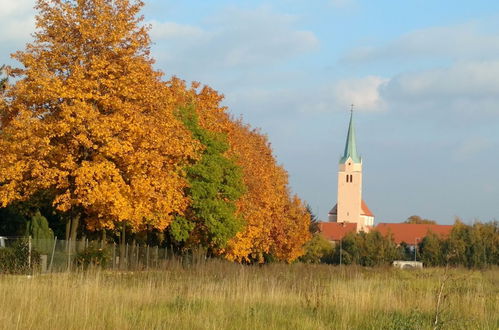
x=39, y=255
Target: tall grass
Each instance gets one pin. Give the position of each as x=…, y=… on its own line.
x=221, y=295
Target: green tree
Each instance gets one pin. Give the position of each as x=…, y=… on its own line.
x=430, y=250
x=416, y=219
x=317, y=249
x=456, y=245
x=314, y=221
x=38, y=227
x=215, y=183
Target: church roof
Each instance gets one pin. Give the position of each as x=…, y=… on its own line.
x=350, y=145
x=409, y=232
x=335, y=231
x=364, y=210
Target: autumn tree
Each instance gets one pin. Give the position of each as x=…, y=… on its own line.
x=215, y=183
x=317, y=249
x=89, y=121
x=416, y=219
x=276, y=224
x=431, y=250
x=3, y=79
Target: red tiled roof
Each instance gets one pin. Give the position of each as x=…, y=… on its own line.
x=408, y=232
x=335, y=231
x=365, y=210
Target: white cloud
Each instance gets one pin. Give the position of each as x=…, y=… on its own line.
x=233, y=39
x=468, y=87
x=462, y=42
x=15, y=7
x=171, y=30
x=472, y=147
x=17, y=21
x=362, y=92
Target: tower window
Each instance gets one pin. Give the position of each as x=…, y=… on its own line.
x=351, y=178
x=347, y=177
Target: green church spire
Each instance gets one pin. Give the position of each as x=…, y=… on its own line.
x=350, y=146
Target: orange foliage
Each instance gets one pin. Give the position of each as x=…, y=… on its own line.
x=91, y=121
x=276, y=224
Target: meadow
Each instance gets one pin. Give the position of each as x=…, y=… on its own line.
x=219, y=295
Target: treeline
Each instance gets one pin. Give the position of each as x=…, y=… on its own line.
x=472, y=246
x=95, y=142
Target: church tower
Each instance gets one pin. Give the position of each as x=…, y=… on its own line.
x=350, y=207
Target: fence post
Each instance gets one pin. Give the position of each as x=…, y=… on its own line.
x=29, y=252
x=157, y=257
x=69, y=254
x=114, y=255
x=126, y=263
x=52, y=257
x=137, y=259
x=147, y=256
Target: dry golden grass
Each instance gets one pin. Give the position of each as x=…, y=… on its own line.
x=221, y=295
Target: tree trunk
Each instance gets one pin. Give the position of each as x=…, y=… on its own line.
x=122, y=247
x=103, y=237
x=68, y=228
x=75, y=222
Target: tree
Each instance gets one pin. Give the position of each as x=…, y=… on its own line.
x=3, y=80
x=89, y=121
x=317, y=249
x=416, y=219
x=367, y=249
x=215, y=183
x=276, y=223
x=38, y=227
x=12, y=222
x=430, y=250
x=314, y=221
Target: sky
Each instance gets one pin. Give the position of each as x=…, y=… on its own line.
x=423, y=75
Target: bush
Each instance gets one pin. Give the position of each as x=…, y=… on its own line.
x=15, y=259
x=317, y=249
x=92, y=256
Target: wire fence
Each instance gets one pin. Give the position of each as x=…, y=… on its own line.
x=27, y=255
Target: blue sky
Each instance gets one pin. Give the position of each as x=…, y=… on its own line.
x=424, y=76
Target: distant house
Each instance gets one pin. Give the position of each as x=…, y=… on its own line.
x=412, y=234
x=335, y=231
x=351, y=213
x=408, y=233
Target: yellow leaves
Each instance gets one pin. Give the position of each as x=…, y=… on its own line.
x=89, y=120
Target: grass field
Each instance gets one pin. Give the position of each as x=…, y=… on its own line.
x=221, y=295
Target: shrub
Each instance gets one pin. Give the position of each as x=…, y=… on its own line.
x=317, y=249
x=92, y=256
x=15, y=259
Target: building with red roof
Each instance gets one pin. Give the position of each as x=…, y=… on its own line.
x=410, y=233
x=350, y=207
x=351, y=213
x=335, y=231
